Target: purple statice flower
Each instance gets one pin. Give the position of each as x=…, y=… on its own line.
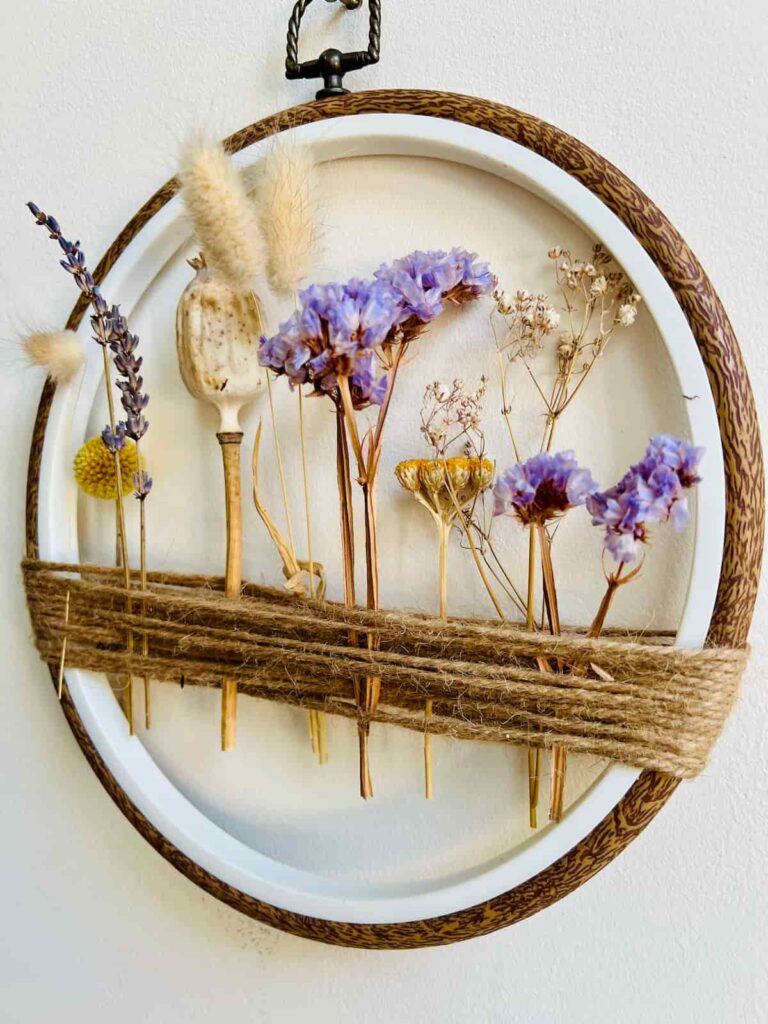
x=680, y=456
x=334, y=333
x=109, y=327
x=425, y=280
x=542, y=487
x=338, y=327
x=653, y=491
x=114, y=441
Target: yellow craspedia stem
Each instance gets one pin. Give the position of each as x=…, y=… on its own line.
x=95, y=469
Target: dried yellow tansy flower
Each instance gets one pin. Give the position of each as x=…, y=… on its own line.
x=442, y=484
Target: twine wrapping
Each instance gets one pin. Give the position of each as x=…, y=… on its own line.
x=636, y=700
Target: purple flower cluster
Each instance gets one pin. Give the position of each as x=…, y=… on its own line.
x=335, y=333
x=542, y=487
x=338, y=327
x=653, y=491
x=110, y=329
x=424, y=281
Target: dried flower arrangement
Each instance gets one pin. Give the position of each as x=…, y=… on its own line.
x=347, y=343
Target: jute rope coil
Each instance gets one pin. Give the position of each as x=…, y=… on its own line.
x=634, y=699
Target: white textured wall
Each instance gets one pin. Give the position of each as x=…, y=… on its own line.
x=95, y=95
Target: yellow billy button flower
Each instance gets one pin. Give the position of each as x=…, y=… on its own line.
x=95, y=469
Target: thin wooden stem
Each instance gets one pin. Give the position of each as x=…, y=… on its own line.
x=472, y=545
x=280, y=467
x=230, y=452
x=505, y=403
x=534, y=753
x=312, y=719
x=63, y=658
x=345, y=509
x=314, y=716
x=529, y=607
x=108, y=387
x=348, y=554
x=126, y=584
x=122, y=534
x=548, y=577
x=428, y=785
x=322, y=738
x=599, y=621
x=372, y=684
x=444, y=530
x=515, y=596
x=351, y=422
x=307, y=512
x=142, y=577
x=559, y=755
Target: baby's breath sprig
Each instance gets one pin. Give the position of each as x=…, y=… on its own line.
x=452, y=415
x=598, y=302
x=448, y=486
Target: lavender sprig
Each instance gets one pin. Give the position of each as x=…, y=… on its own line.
x=142, y=481
x=110, y=330
x=114, y=440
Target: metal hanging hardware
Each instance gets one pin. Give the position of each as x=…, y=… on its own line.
x=332, y=64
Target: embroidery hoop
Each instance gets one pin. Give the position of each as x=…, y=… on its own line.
x=450, y=122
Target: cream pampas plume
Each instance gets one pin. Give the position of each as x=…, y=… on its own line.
x=225, y=218
x=287, y=193
x=60, y=353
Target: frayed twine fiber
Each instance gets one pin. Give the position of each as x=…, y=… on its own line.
x=635, y=699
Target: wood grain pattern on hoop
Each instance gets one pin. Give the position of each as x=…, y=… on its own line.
x=745, y=509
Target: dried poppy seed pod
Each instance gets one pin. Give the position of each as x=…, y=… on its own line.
x=217, y=340
x=217, y=336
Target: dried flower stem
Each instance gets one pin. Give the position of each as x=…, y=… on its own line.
x=443, y=533
x=292, y=567
x=280, y=468
x=120, y=503
x=315, y=717
x=557, y=789
x=312, y=722
x=534, y=753
x=305, y=476
x=368, y=460
x=143, y=579
x=368, y=694
x=500, y=574
x=473, y=548
x=344, y=483
x=63, y=658
x=505, y=406
x=614, y=581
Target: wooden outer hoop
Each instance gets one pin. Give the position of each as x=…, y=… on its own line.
x=745, y=509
